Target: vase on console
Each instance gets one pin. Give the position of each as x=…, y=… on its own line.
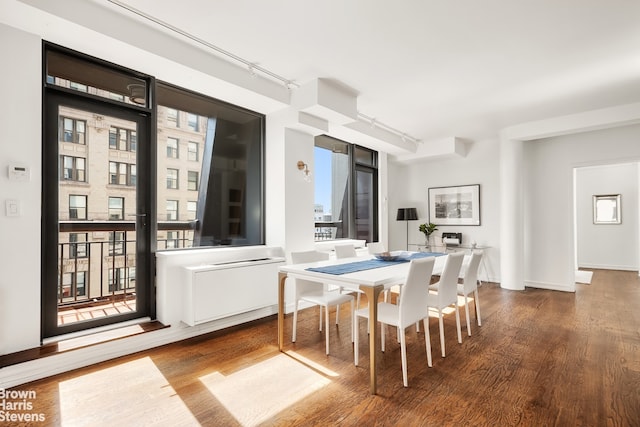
x=428, y=229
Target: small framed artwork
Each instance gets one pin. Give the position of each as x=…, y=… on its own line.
x=459, y=205
x=606, y=209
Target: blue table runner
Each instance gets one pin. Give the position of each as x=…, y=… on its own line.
x=352, y=267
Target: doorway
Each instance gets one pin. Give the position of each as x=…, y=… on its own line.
x=96, y=253
x=609, y=245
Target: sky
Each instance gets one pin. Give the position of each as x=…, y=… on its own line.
x=322, y=177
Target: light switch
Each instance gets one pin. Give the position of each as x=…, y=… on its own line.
x=12, y=207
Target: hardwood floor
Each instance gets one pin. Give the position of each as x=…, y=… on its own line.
x=540, y=358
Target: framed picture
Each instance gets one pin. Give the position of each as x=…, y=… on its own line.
x=606, y=209
x=458, y=205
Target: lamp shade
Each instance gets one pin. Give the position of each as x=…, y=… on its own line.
x=407, y=214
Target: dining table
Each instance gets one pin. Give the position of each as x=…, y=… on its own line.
x=368, y=274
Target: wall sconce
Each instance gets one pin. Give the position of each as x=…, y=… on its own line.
x=304, y=168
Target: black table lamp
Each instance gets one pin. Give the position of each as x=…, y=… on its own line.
x=407, y=214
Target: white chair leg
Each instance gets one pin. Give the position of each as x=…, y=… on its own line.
x=403, y=352
x=427, y=340
x=476, y=303
x=458, y=325
x=326, y=307
x=440, y=321
x=466, y=310
x=356, y=345
x=295, y=322
x=352, y=320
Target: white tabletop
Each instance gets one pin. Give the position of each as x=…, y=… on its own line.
x=393, y=274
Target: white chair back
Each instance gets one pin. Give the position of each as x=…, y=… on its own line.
x=375, y=247
x=415, y=292
x=345, y=251
x=470, y=279
x=448, y=286
x=308, y=286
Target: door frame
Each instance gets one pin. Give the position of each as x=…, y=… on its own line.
x=145, y=209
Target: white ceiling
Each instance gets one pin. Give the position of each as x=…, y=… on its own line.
x=435, y=69
x=430, y=69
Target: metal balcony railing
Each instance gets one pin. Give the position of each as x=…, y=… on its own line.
x=99, y=263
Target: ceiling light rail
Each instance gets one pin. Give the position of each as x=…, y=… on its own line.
x=251, y=67
x=375, y=123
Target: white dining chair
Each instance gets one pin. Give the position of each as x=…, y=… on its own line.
x=318, y=294
x=444, y=293
x=375, y=248
x=347, y=250
x=411, y=308
x=469, y=286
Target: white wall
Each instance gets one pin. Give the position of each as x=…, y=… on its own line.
x=408, y=187
x=549, y=217
x=607, y=246
x=20, y=138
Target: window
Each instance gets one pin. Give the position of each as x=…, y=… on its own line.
x=192, y=122
x=172, y=210
x=346, y=188
x=192, y=208
x=122, y=174
x=225, y=157
x=192, y=151
x=172, y=148
x=122, y=139
x=78, y=245
x=172, y=240
x=116, y=208
x=81, y=277
x=122, y=278
x=172, y=178
x=117, y=242
x=172, y=117
x=73, y=285
x=73, y=130
x=73, y=169
x=192, y=181
x=77, y=207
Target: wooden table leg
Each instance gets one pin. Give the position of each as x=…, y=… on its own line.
x=282, y=278
x=372, y=293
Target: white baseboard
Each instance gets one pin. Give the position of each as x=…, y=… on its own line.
x=609, y=267
x=550, y=286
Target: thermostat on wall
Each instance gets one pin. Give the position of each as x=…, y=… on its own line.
x=19, y=172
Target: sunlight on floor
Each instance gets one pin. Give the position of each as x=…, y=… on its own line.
x=261, y=391
x=132, y=393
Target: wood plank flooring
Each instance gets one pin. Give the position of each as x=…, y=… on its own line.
x=540, y=358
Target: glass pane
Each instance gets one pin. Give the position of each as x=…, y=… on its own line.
x=364, y=156
x=84, y=76
x=218, y=183
x=331, y=211
x=364, y=205
x=88, y=198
